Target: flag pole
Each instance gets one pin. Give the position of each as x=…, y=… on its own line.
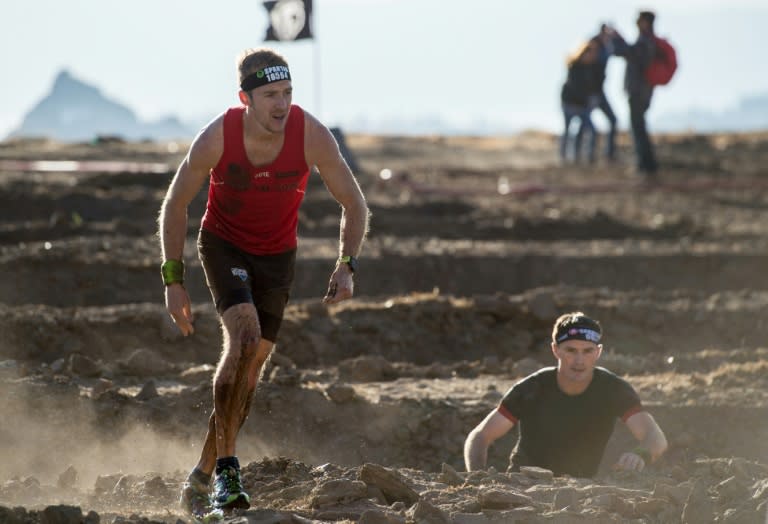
x=316, y=66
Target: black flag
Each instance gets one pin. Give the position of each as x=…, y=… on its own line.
x=289, y=20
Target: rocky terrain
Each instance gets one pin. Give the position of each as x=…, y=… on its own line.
x=476, y=246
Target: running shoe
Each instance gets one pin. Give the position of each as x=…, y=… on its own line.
x=195, y=500
x=228, y=491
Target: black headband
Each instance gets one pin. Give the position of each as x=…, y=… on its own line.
x=265, y=76
x=578, y=333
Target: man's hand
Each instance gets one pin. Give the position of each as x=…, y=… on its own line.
x=630, y=461
x=341, y=286
x=180, y=308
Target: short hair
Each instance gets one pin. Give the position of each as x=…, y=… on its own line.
x=649, y=16
x=576, y=320
x=252, y=60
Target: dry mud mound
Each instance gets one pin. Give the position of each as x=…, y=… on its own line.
x=476, y=245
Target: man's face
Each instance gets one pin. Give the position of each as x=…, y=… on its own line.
x=270, y=104
x=576, y=359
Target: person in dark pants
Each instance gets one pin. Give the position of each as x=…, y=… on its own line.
x=604, y=42
x=639, y=91
x=577, y=96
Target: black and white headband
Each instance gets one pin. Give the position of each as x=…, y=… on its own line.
x=265, y=76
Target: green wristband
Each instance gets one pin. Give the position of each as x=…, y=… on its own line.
x=643, y=454
x=173, y=272
x=349, y=261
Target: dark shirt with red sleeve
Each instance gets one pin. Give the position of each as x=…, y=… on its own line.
x=566, y=433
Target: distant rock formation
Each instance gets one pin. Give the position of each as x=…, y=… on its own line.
x=76, y=111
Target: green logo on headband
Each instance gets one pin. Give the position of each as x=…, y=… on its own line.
x=260, y=74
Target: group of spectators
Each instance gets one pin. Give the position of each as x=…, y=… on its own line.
x=583, y=92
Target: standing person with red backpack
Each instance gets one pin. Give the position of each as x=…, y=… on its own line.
x=640, y=56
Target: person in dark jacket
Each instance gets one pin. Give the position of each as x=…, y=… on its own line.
x=604, y=41
x=638, y=57
x=578, y=96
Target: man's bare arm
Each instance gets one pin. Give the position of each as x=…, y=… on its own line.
x=652, y=441
x=493, y=427
x=203, y=155
x=645, y=429
x=322, y=151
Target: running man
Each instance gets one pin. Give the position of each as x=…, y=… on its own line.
x=257, y=157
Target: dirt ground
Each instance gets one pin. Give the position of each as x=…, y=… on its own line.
x=476, y=246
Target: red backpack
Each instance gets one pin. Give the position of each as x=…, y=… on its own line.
x=664, y=64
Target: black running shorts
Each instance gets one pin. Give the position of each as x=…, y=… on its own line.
x=236, y=277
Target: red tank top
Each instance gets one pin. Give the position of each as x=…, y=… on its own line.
x=256, y=208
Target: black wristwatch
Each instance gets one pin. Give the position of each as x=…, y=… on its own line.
x=350, y=261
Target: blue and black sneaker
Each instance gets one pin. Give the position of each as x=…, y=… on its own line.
x=228, y=491
x=197, y=503
x=213, y=516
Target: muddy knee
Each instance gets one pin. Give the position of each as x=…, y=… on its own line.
x=241, y=327
x=256, y=366
x=242, y=334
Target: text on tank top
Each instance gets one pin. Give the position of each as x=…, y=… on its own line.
x=256, y=207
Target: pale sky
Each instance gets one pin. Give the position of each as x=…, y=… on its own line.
x=373, y=61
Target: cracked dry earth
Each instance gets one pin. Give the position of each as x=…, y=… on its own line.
x=476, y=245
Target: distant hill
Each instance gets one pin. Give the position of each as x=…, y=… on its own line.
x=750, y=114
x=76, y=111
